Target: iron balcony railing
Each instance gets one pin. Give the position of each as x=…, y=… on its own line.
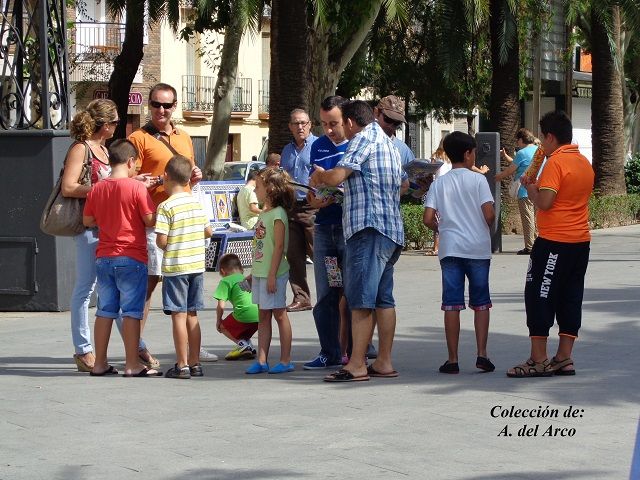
x=198, y=94
x=263, y=96
x=94, y=41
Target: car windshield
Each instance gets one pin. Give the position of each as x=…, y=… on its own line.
x=234, y=171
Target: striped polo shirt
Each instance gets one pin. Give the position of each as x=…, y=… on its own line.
x=181, y=218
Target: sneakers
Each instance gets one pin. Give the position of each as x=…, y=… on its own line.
x=177, y=372
x=283, y=368
x=371, y=352
x=524, y=251
x=196, y=370
x=320, y=362
x=241, y=352
x=256, y=368
x=207, y=356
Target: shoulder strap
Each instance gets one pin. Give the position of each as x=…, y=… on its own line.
x=155, y=133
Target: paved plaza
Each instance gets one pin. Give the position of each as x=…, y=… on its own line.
x=56, y=423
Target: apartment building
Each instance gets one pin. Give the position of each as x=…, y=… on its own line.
x=95, y=39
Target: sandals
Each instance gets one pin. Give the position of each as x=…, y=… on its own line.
x=145, y=372
x=558, y=366
x=82, y=365
x=151, y=363
x=530, y=368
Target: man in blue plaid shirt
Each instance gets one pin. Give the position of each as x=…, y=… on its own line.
x=372, y=176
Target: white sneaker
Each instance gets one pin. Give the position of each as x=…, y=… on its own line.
x=309, y=261
x=207, y=357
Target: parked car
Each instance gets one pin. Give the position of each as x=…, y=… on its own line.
x=240, y=170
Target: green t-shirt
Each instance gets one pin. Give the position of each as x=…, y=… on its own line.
x=264, y=241
x=244, y=310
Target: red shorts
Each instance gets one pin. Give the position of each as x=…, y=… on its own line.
x=239, y=330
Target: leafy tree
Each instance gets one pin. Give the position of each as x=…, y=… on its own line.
x=312, y=41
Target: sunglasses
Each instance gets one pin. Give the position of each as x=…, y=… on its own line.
x=166, y=106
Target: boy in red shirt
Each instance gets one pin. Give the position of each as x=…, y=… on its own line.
x=121, y=208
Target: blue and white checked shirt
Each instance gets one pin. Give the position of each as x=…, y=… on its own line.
x=297, y=163
x=372, y=191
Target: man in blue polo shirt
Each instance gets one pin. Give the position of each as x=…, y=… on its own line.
x=328, y=239
x=295, y=161
x=374, y=234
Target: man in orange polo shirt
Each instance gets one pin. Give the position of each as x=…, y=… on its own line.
x=558, y=263
x=157, y=142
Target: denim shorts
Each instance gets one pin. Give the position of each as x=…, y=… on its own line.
x=266, y=300
x=454, y=270
x=121, y=287
x=368, y=269
x=183, y=293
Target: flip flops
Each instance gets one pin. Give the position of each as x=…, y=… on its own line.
x=372, y=372
x=109, y=371
x=558, y=365
x=343, y=375
x=145, y=372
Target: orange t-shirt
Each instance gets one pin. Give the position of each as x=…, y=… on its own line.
x=153, y=155
x=569, y=174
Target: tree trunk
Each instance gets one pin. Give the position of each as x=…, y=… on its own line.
x=504, y=107
x=125, y=65
x=289, y=68
x=304, y=69
x=225, y=85
x=607, y=118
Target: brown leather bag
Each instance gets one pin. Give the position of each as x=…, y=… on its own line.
x=62, y=216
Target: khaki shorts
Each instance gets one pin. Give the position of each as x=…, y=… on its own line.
x=154, y=263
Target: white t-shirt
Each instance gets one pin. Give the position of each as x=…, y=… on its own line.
x=458, y=197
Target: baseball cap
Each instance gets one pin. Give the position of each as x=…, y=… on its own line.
x=392, y=107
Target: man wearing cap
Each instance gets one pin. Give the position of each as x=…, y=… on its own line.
x=390, y=116
x=296, y=162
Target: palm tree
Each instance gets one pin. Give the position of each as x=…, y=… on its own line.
x=603, y=24
x=504, y=107
x=312, y=42
x=126, y=64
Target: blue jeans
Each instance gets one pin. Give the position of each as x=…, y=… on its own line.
x=122, y=287
x=369, y=260
x=328, y=241
x=86, y=244
x=454, y=271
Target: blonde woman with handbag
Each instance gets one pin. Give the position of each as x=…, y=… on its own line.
x=90, y=128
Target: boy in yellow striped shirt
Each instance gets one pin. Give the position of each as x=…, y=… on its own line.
x=181, y=229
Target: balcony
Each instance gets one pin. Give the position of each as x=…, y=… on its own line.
x=198, y=96
x=92, y=48
x=263, y=99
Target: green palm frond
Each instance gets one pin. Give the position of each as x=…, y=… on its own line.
x=508, y=33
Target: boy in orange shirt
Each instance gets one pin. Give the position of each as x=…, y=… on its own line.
x=555, y=280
